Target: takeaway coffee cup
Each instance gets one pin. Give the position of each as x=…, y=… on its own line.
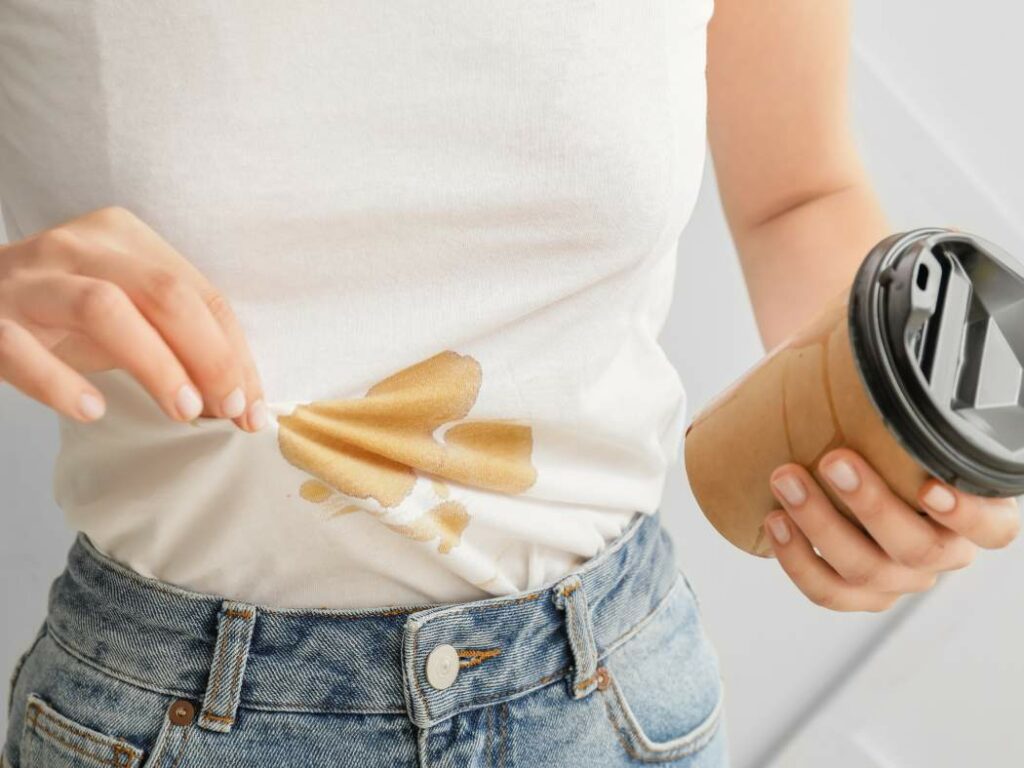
x=917, y=366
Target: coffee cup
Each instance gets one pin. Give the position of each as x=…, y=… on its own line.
x=917, y=366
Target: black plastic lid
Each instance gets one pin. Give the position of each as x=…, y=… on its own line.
x=936, y=321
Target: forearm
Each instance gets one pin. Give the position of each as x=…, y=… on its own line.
x=799, y=205
x=797, y=259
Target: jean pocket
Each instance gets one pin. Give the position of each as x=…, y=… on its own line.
x=664, y=695
x=51, y=740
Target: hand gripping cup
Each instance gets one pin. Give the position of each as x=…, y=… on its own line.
x=918, y=367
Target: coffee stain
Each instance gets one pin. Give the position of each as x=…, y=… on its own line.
x=377, y=446
x=446, y=521
x=317, y=493
x=314, y=491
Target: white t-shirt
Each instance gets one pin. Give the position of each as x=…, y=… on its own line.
x=449, y=231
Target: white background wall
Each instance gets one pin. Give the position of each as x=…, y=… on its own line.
x=932, y=682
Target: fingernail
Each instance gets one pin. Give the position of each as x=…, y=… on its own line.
x=791, y=489
x=90, y=406
x=842, y=475
x=779, y=529
x=939, y=498
x=188, y=402
x=258, y=415
x=234, y=404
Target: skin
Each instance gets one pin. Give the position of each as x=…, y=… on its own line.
x=105, y=291
x=803, y=214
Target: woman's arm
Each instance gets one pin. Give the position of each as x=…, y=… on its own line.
x=803, y=216
x=797, y=200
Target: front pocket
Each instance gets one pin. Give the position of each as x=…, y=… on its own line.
x=640, y=746
x=51, y=740
x=663, y=693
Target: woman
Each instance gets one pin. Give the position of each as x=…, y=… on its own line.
x=349, y=312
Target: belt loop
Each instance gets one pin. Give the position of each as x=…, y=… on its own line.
x=569, y=597
x=223, y=689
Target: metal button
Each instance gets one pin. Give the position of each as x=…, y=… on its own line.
x=442, y=667
x=182, y=712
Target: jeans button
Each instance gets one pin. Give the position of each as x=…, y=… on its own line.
x=182, y=712
x=442, y=667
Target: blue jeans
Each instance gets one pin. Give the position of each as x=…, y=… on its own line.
x=609, y=666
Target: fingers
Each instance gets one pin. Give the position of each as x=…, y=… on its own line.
x=104, y=312
x=194, y=320
x=174, y=307
x=28, y=366
x=991, y=523
x=909, y=538
x=838, y=565
x=851, y=553
x=162, y=256
x=814, y=577
x=255, y=416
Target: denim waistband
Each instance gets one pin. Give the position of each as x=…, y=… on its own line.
x=427, y=662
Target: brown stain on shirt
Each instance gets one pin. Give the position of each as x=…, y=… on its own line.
x=378, y=445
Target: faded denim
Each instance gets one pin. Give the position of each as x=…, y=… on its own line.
x=609, y=666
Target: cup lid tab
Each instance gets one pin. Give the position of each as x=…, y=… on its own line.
x=948, y=307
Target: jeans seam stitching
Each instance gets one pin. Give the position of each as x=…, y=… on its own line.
x=53, y=736
x=503, y=735
x=163, y=747
x=219, y=664
x=106, y=742
x=240, y=654
x=487, y=739
x=116, y=746
x=416, y=675
x=181, y=749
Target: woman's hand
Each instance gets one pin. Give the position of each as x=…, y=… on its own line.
x=105, y=291
x=905, y=550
